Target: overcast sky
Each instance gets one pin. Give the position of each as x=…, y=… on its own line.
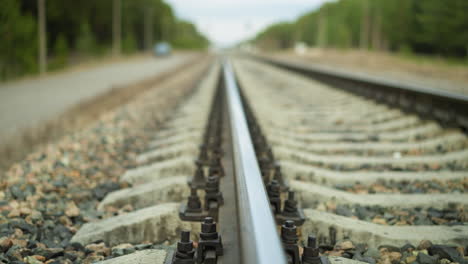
x=226, y=22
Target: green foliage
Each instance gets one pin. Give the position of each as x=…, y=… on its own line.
x=186, y=36
x=405, y=49
x=444, y=24
x=60, y=53
x=84, y=28
x=85, y=43
x=129, y=44
x=306, y=28
x=277, y=36
x=428, y=26
x=18, y=36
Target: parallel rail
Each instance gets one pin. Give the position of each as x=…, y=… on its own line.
x=260, y=242
x=448, y=108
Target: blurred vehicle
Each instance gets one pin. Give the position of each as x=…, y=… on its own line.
x=162, y=49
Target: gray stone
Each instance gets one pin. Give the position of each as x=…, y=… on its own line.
x=143, y=246
x=48, y=253
x=426, y=259
x=148, y=256
x=117, y=252
x=446, y=252
x=372, y=252
x=103, y=189
x=390, y=248
x=422, y=220
x=407, y=247
x=343, y=210
x=360, y=257
x=129, y=250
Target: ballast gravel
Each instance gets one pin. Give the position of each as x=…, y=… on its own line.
x=332, y=138
x=48, y=196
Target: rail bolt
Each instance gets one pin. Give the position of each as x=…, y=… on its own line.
x=289, y=238
x=210, y=245
x=291, y=211
x=185, y=253
x=194, y=203
x=192, y=211
x=311, y=252
x=198, y=180
x=213, y=196
x=273, y=191
x=278, y=176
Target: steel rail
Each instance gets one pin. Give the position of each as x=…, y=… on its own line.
x=260, y=242
x=447, y=107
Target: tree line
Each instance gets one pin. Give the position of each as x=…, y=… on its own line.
x=79, y=29
x=420, y=26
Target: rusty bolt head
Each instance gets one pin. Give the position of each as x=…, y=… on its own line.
x=290, y=205
x=194, y=203
x=274, y=188
x=185, y=246
x=311, y=241
x=208, y=229
x=289, y=232
x=311, y=252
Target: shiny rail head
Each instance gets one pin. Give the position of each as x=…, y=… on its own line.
x=260, y=242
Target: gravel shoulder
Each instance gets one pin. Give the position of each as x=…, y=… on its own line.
x=55, y=190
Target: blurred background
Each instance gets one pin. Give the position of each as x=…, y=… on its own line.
x=422, y=42
x=75, y=31
x=48, y=35
x=406, y=26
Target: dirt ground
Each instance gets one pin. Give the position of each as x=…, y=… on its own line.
x=429, y=72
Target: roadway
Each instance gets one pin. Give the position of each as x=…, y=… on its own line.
x=26, y=103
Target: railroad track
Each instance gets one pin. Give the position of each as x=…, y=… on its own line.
x=261, y=164
x=212, y=125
